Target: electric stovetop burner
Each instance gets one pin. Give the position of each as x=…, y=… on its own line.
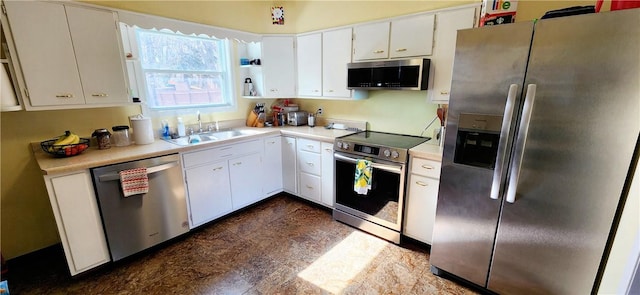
x=381, y=145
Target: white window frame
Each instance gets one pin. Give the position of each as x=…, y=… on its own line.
x=138, y=83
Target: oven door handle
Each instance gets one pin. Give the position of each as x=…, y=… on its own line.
x=386, y=167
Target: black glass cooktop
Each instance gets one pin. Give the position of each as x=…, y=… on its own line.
x=392, y=140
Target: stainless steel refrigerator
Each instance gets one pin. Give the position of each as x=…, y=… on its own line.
x=542, y=127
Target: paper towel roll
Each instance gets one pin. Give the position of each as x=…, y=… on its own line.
x=142, y=129
x=8, y=98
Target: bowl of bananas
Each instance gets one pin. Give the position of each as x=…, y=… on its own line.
x=67, y=145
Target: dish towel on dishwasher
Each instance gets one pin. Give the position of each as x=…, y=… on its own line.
x=134, y=181
x=362, y=181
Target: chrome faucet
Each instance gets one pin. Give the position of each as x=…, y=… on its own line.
x=199, y=123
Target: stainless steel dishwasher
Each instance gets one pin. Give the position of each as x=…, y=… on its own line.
x=138, y=222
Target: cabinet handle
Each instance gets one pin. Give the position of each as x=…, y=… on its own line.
x=271, y=142
x=309, y=187
x=427, y=167
x=68, y=95
x=273, y=90
x=237, y=163
x=100, y=95
x=310, y=164
x=401, y=49
x=421, y=183
x=378, y=51
x=316, y=91
x=444, y=92
x=330, y=90
x=328, y=150
x=310, y=146
x=217, y=168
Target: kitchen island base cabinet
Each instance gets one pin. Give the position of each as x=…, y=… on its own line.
x=78, y=219
x=422, y=197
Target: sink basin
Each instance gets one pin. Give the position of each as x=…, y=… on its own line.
x=211, y=136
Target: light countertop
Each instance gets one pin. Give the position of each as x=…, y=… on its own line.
x=93, y=157
x=427, y=151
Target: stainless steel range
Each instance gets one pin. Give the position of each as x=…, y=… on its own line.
x=378, y=209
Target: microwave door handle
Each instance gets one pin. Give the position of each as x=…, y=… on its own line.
x=385, y=167
x=520, y=143
x=502, y=144
x=150, y=170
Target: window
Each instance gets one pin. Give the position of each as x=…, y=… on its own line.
x=180, y=71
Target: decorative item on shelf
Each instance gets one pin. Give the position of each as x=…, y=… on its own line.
x=277, y=15
x=248, y=88
x=244, y=61
x=256, y=62
x=498, y=12
x=67, y=145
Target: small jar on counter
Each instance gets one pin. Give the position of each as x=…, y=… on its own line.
x=103, y=138
x=121, y=135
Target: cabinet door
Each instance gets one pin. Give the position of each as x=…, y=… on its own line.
x=336, y=54
x=278, y=66
x=449, y=22
x=208, y=192
x=76, y=211
x=412, y=36
x=327, y=190
x=371, y=41
x=98, y=54
x=420, y=207
x=309, y=55
x=246, y=180
x=289, y=169
x=272, y=165
x=45, y=51
x=309, y=162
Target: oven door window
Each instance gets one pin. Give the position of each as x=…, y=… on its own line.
x=382, y=200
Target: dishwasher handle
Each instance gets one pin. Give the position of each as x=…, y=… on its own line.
x=150, y=170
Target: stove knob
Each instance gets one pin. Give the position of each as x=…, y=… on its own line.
x=387, y=153
x=345, y=146
x=395, y=154
x=339, y=144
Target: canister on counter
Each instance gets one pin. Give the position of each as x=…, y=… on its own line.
x=103, y=137
x=121, y=135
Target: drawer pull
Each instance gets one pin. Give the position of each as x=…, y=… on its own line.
x=444, y=92
x=310, y=146
x=68, y=95
x=330, y=90
x=99, y=95
x=217, y=168
x=401, y=49
x=271, y=142
x=378, y=51
x=328, y=150
x=421, y=183
x=237, y=163
x=309, y=187
x=427, y=167
x=310, y=164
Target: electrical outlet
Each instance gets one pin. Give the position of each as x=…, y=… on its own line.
x=319, y=112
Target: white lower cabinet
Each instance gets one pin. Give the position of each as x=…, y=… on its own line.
x=289, y=165
x=327, y=191
x=421, y=200
x=272, y=165
x=209, y=190
x=222, y=179
x=78, y=219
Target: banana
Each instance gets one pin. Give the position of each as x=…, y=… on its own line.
x=68, y=138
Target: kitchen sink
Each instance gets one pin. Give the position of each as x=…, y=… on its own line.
x=205, y=137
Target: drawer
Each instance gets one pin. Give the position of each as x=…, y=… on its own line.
x=309, y=162
x=220, y=153
x=310, y=187
x=308, y=145
x=425, y=167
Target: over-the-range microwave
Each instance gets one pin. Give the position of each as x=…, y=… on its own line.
x=404, y=74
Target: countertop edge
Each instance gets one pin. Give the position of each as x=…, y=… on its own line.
x=427, y=151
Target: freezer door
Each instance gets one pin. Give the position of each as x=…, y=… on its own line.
x=489, y=65
x=576, y=154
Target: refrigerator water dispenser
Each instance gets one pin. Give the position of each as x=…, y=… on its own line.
x=477, y=140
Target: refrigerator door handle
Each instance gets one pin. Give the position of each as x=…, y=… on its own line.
x=520, y=142
x=502, y=145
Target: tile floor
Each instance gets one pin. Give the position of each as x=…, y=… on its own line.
x=280, y=246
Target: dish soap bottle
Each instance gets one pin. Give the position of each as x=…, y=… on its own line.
x=181, y=130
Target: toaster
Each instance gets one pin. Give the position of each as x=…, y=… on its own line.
x=297, y=118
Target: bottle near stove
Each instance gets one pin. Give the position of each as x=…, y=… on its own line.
x=311, y=121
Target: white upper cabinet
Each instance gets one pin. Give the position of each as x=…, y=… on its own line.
x=412, y=36
x=399, y=38
x=336, y=54
x=69, y=55
x=448, y=23
x=309, y=54
x=371, y=41
x=278, y=66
